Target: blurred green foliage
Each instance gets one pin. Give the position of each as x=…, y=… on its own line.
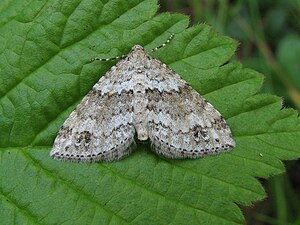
x=268, y=32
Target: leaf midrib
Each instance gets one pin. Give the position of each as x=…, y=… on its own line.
x=134, y=182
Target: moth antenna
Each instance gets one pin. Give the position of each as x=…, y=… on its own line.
x=162, y=45
x=108, y=59
x=123, y=56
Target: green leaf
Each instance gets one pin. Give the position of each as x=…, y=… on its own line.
x=45, y=48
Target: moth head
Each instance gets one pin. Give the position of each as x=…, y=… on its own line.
x=137, y=47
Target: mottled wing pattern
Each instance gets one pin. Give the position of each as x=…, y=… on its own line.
x=182, y=124
x=144, y=96
x=101, y=127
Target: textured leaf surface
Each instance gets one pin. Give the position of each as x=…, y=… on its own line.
x=44, y=53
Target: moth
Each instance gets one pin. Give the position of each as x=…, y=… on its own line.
x=141, y=96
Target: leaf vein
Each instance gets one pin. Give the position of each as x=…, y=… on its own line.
x=55, y=54
x=72, y=187
x=25, y=210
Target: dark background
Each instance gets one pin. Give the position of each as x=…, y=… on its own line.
x=268, y=32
